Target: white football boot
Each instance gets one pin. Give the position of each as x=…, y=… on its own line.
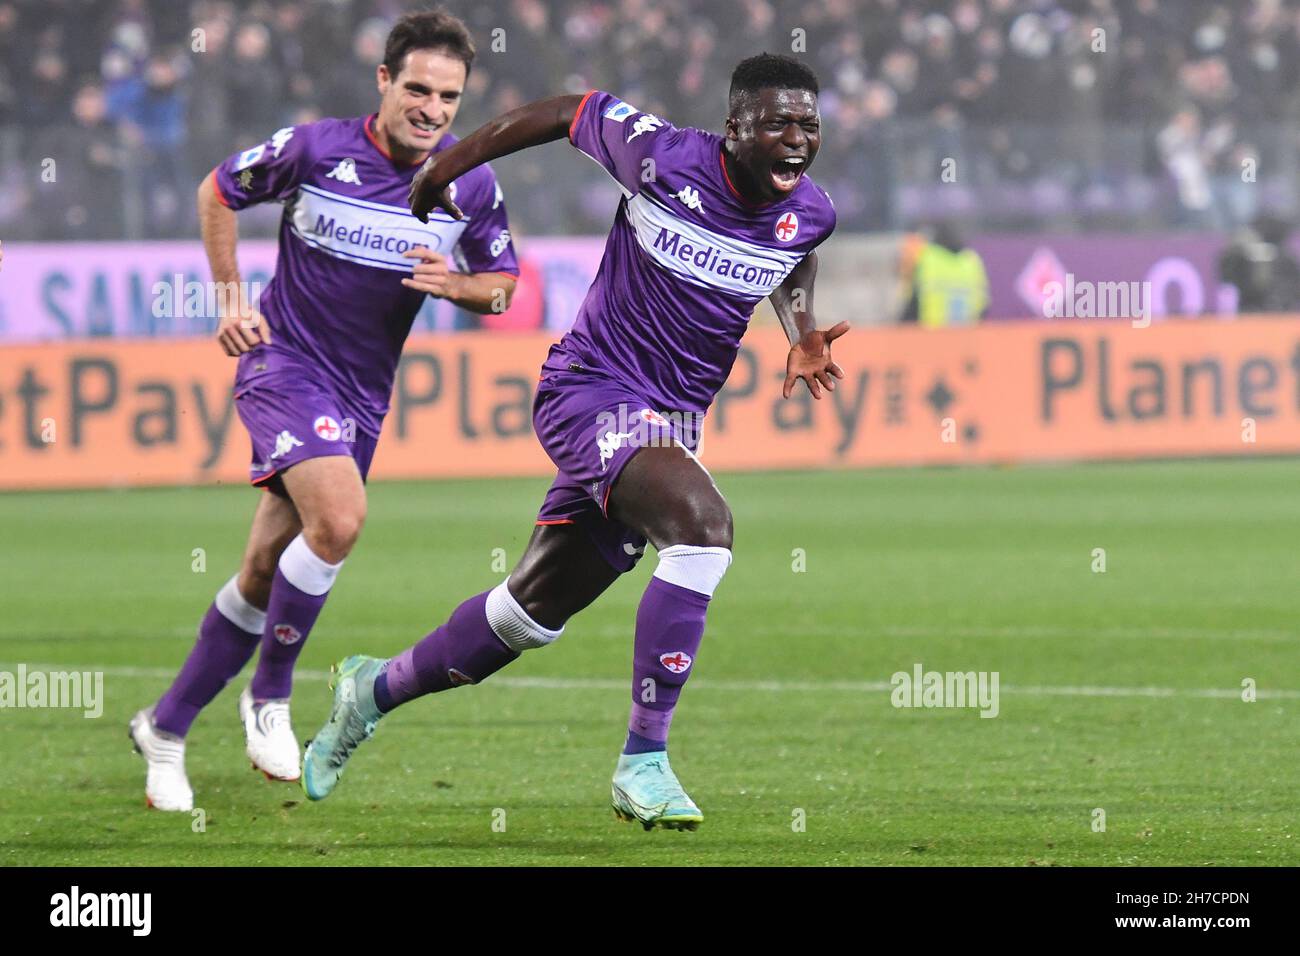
x=272, y=747
x=165, y=786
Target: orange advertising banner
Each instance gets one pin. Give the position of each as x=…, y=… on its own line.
x=113, y=413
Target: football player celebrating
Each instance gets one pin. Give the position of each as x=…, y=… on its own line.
x=316, y=364
x=707, y=227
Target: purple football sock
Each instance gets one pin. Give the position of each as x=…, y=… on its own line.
x=222, y=650
x=465, y=650
x=298, y=592
x=636, y=744
x=669, y=628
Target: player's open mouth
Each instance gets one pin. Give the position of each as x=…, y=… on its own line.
x=422, y=128
x=786, y=173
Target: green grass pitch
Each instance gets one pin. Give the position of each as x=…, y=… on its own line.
x=1120, y=691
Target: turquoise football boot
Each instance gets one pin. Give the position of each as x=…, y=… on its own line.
x=645, y=789
x=352, y=721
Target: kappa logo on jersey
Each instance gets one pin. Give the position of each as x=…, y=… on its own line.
x=690, y=198
x=619, y=111
x=285, y=442
x=250, y=156
x=287, y=634
x=345, y=172
x=677, y=661
x=281, y=139
x=327, y=428
x=787, y=227
x=645, y=123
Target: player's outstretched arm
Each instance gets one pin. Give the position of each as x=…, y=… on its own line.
x=241, y=327
x=810, y=349
x=542, y=121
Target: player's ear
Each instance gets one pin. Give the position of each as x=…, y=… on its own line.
x=382, y=79
x=732, y=128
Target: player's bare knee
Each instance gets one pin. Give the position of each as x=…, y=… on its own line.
x=703, y=520
x=331, y=536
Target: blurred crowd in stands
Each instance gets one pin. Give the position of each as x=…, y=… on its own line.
x=1000, y=114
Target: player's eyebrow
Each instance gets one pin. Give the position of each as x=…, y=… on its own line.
x=789, y=117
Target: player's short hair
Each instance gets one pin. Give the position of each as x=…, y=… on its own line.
x=768, y=71
x=428, y=30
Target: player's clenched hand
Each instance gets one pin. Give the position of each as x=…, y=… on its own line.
x=240, y=331
x=431, y=190
x=810, y=360
x=431, y=274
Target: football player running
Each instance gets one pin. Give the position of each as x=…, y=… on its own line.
x=707, y=227
x=316, y=360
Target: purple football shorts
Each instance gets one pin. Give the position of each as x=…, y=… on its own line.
x=591, y=425
x=291, y=416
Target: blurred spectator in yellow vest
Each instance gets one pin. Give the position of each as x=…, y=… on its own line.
x=949, y=284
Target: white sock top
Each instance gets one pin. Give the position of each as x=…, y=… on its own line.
x=305, y=570
x=234, y=607
x=693, y=567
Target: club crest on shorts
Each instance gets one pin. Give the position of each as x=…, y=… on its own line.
x=287, y=634
x=327, y=428
x=677, y=661
x=787, y=227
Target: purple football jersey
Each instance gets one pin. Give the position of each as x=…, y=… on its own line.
x=337, y=299
x=687, y=258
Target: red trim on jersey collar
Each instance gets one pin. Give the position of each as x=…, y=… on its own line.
x=722, y=161
x=370, y=135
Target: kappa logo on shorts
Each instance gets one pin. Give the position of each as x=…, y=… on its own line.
x=285, y=442
x=677, y=661
x=611, y=442
x=287, y=634
x=327, y=428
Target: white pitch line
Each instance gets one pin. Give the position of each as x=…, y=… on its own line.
x=765, y=686
x=1029, y=631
